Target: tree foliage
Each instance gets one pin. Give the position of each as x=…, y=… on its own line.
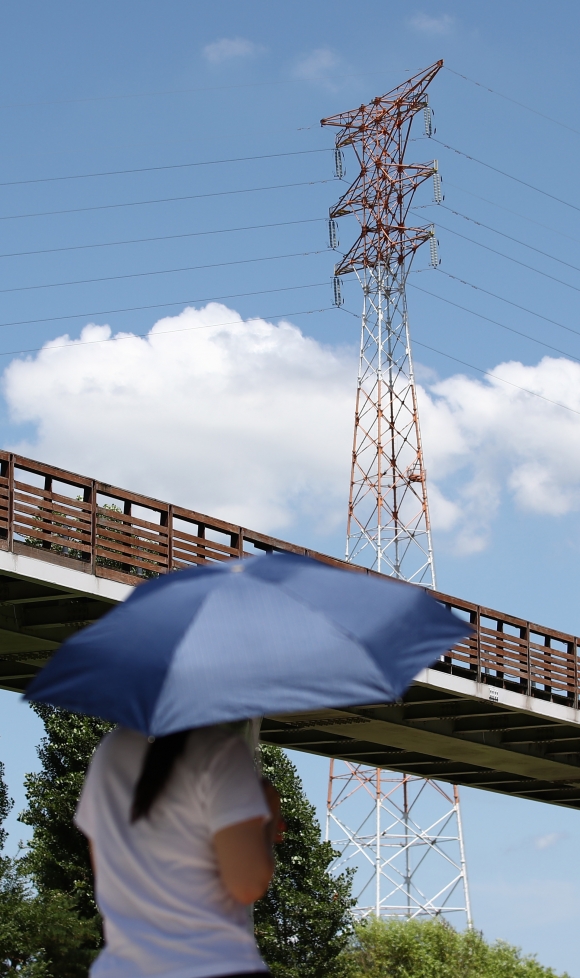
x=303, y=923
x=5, y=806
x=433, y=949
x=58, y=854
x=41, y=934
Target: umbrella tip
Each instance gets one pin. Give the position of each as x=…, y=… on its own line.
x=236, y=568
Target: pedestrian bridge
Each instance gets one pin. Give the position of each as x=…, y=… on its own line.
x=500, y=711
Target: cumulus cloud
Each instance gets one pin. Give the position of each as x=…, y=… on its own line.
x=442, y=24
x=230, y=49
x=320, y=67
x=485, y=440
x=246, y=421
x=252, y=422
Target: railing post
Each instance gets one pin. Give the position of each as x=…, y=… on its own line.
x=479, y=678
x=90, y=496
x=526, y=635
x=201, y=535
x=11, y=502
x=572, y=686
x=547, y=645
x=46, y=544
x=167, y=521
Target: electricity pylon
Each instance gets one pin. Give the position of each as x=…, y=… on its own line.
x=412, y=871
x=388, y=515
x=404, y=837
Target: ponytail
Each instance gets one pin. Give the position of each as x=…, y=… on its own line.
x=160, y=758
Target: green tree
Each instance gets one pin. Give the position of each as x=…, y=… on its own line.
x=41, y=935
x=303, y=924
x=433, y=949
x=58, y=855
x=6, y=804
x=57, y=925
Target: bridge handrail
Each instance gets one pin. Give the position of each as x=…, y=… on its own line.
x=66, y=518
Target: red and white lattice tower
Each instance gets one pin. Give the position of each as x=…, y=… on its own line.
x=373, y=819
x=388, y=516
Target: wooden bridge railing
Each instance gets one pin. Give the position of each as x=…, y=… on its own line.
x=68, y=519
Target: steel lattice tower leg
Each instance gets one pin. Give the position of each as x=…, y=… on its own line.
x=403, y=870
x=406, y=844
x=388, y=515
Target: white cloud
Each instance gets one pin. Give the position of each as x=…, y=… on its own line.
x=320, y=67
x=229, y=49
x=443, y=24
x=252, y=422
x=550, y=840
x=246, y=421
x=485, y=440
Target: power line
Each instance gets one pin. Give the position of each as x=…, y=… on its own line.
x=503, y=173
x=160, y=305
x=486, y=373
x=186, y=329
x=165, y=200
x=497, y=323
x=163, y=271
x=509, y=302
x=165, y=237
x=508, y=210
x=509, y=258
x=154, y=169
x=183, y=91
x=509, y=237
x=508, y=98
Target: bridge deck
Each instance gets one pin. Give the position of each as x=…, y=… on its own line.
x=500, y=711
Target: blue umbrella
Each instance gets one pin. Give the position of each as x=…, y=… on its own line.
x=271, y=634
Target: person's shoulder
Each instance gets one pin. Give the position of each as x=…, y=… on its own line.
x=118, y=743
x=209, y=744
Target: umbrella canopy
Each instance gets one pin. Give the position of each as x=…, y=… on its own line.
x=271, y=634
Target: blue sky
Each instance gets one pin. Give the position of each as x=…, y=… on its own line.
x=254, y=422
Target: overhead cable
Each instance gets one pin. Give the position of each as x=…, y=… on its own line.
x=487, y=227
x=166, y=200
x=509, y=257
x=154, y=169
x=183, y=91
x=165, y=237
x=186, y=329
x=486, y=373
x=496, y=322
x=532, y=312
x=160, y=305
x=162, y=271
x=503, y=173
x=508, y=210
x=508, y=98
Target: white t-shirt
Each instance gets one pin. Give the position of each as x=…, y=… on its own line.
x=166, y=911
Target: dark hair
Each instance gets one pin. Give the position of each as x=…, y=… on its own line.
x=160, y=758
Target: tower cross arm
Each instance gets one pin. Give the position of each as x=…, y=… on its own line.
x=405, y=100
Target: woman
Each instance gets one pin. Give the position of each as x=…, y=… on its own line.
x=181, y=832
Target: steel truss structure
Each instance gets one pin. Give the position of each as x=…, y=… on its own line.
x=389, y=848
x=388, y=516
x=388, y=526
